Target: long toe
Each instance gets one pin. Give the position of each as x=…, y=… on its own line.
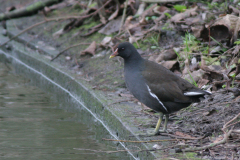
x=153, y=133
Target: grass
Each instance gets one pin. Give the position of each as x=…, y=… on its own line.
x=193, y=81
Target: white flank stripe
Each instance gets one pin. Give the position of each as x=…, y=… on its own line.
x=193, y=93
x=155, y=96
x=209, y=92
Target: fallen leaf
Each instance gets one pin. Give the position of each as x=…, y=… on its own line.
x=180, y=134
x=209, y=113
x=166, y=55
x=58, y=33
x=202, y=82
x=125, y=95
x=160, y=9
x=218, y=139
x=236, y=50
x=90, y=50
x=197, y=30
x=105, y=41
x=111, y=27
x=187, y=13
x=148, y=12
x=171, y=65
x=141, y=9
x=195, y=75
x=114, y=15
x=192, y=20
x=223, y=28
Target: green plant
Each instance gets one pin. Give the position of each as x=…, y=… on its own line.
x=237, y=42
x=166, y=26
x=193, y=81
x=233, y=75
x=180, y=8
x=212, y=5
x=168, y=15
x=150, y=18
x=153, y=40
x=190, y=44
x=220, y=44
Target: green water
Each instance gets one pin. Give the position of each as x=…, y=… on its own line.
x=32, y=126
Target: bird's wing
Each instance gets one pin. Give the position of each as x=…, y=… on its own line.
x=168, y=87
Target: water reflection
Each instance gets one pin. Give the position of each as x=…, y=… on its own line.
x=33, y=127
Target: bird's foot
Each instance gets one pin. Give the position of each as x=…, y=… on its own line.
x=163, y=131
x=152, y=133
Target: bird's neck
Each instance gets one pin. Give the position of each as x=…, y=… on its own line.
x=133, y=58
x=133, y=62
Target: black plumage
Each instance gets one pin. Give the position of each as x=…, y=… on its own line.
x=154, y=85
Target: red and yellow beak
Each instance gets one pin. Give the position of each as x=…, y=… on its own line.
x=115, y=53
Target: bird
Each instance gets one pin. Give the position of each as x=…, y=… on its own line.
x=155, y=86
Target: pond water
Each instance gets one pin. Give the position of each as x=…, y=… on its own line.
x=33, y=126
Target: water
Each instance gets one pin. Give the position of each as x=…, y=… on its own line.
x=32, y=125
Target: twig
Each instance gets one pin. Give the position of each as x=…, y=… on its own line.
x=226, y=135
x=37, y=24
x=54, y=19
x=179, y=137
x=150, y=141
x=228, y=102
x=28, y=10
x=95, y=12
x=225, y=126
x=140, y=150
x=61, y=52
x=125, y=100
x=123, y=16
x=221, y=55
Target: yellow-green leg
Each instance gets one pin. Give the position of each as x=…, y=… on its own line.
x=165, y=123
x=156, y=131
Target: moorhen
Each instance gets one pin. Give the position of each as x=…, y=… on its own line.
x=155, y=86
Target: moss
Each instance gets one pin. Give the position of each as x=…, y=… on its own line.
x=90, y=24
x=92, y=5
x=187, y=155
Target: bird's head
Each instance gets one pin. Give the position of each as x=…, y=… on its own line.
x=124, y=50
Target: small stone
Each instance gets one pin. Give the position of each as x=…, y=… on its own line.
x=156, y=146
x=4, y=32
x=68, y=58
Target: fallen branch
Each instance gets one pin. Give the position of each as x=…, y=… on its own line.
x=61, y=52
x=124, y=100
x=179, y=137
x=29, y=10
x=54, y=19
x=150, y=141
x=39, y=23
x=225, y=126
x=140, y=150
x=123, y=16
x=226, y=135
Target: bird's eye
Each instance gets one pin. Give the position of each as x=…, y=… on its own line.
x=122, y=49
